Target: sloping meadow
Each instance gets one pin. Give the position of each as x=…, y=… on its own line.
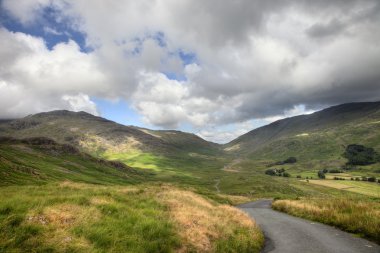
x=75, y=217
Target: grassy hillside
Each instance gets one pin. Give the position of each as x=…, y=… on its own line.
x=168, y=185
x=321, y=135
x=316, y=140
x=97, y=135
x=41, y=160
x=78, y=217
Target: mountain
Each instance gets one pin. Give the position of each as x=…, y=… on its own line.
x=99, y=136
x=321, y=135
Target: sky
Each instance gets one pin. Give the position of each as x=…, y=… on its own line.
x=215, y=68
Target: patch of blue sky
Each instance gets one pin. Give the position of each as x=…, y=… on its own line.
x=119, y=111
x=175, y=76
x=188, y=57
x=52, y=29
x=160, y=38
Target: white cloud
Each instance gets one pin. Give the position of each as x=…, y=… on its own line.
x=220, y=135
x=253, y=59
x=167, y=103
x=80, y=102
x=34, y=79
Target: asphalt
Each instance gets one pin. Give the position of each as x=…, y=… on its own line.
x=289, y=234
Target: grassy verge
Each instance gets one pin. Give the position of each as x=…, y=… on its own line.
x=360, y=216
x=78, y=217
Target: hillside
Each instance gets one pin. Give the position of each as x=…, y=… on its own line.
x=317, y=140
x=102, y=137
x=321, y=135
x=42, y=160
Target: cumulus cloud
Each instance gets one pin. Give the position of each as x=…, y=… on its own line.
x=35, y=79
x=252, y=59
x=80, y=102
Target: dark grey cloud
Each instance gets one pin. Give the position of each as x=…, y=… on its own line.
x=254, y=59
x=334, y=27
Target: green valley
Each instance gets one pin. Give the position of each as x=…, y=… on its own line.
x=60, y=168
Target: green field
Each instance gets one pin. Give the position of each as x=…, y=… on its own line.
x=365, y=188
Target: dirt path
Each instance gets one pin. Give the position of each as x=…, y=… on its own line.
x=231, y=166
x=217, y=182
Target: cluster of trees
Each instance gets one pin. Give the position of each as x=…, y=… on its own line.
x=289, y=160
x=321, y=173
x=367, y=179
x=277, y=172
x=360, y=155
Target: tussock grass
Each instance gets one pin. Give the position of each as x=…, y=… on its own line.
x=79, y=217
x=209, y=227
x=360, y=216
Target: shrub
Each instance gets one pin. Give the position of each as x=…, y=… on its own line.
x=325, y=171
x=285, y=174
x=335, y=171
x=271, y=172
x=321, y=175
x=371, y=179
x=298, y=176
x=348, y=167
x=291, y=160
x=360, y=155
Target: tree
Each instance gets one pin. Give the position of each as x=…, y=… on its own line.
x=371, y=179
x=360, y=155
x=291, y=160
x=321, y=175
x=271, y=172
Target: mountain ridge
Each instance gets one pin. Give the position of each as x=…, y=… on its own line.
x=94, y=134
x=97, y=135
x=342, y=122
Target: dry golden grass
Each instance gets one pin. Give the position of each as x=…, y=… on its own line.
x=59, y=220
x=92, y=143
x=73, y=185
x=353, y=215
x=235, y=199
x=128, y=190
x=202, y=223
x=101, y=201
x=77, y=217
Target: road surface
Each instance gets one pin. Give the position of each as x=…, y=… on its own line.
x=289, y=234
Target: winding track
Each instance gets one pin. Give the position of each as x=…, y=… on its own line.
x=288, y=234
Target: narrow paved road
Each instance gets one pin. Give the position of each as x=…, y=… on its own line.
x=288, y=234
